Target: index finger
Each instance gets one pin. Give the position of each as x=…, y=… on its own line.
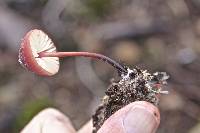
x=49, y=121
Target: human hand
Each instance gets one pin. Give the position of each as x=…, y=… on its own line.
x=137, y=117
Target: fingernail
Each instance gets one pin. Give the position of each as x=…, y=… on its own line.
x=141, y=120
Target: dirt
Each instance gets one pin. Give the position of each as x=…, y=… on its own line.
x=136, y=85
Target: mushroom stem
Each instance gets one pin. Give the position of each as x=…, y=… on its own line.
x=106, y=59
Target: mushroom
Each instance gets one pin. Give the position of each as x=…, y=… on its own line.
x=38, y=54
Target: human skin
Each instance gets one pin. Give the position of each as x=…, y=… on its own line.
x=137, y=117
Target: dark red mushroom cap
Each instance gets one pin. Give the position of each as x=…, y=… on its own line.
x=34, y=42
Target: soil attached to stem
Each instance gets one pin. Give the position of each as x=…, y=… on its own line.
x=136, y=85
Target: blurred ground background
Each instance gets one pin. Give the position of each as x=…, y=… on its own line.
x=158, y=35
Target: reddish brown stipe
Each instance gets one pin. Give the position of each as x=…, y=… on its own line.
x=38, y=54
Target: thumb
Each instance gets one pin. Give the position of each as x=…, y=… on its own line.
x=137, y=117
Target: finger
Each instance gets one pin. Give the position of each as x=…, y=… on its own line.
x=137, y=117
x=87, y=128
x=49, y=121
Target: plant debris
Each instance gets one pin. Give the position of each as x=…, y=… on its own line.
x=135, y=85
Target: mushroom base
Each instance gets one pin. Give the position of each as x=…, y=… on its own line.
x=137, y=86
